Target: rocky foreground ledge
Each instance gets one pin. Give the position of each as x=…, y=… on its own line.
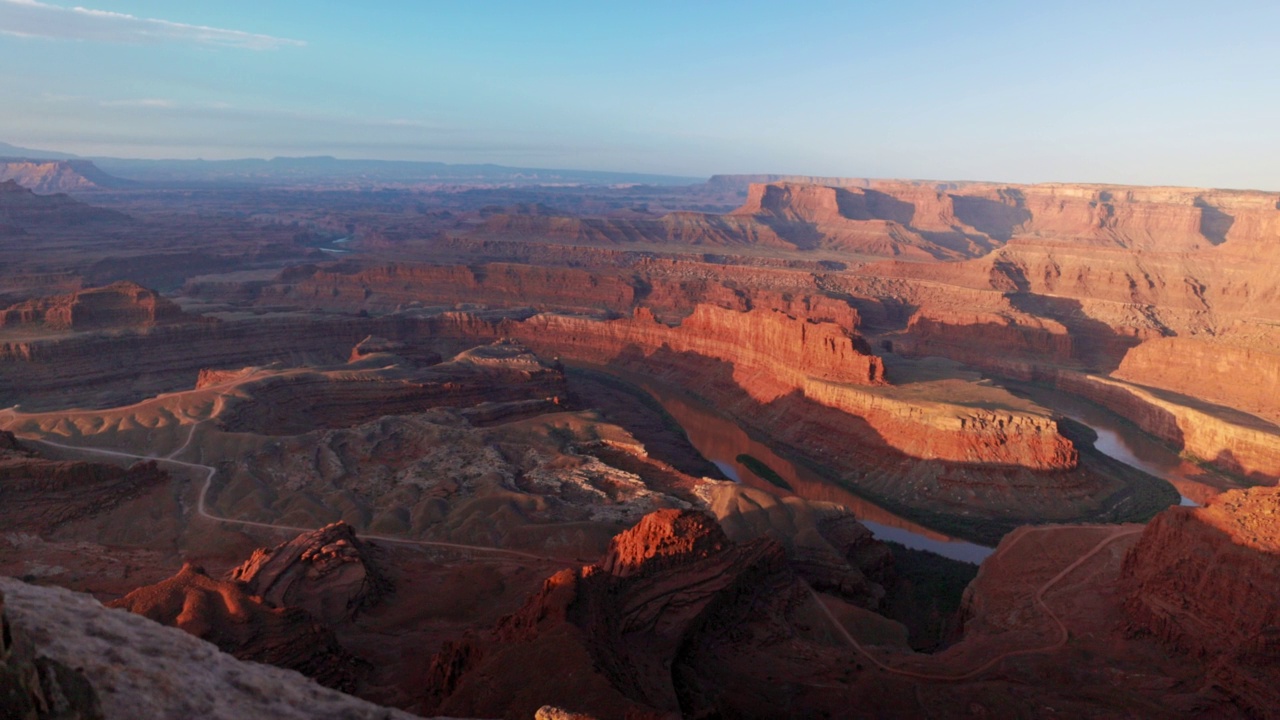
x=65, y=655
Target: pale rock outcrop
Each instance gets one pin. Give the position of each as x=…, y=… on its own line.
x=141, y=669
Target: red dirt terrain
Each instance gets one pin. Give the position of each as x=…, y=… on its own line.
x=677, y=619
x=1204, y=583
x=625, y=634
x=636, y=452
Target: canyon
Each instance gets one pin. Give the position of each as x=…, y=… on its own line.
x=641, y=450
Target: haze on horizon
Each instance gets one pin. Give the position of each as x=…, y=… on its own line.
x=1170, y=93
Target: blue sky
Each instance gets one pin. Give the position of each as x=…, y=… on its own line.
x=1133, y=92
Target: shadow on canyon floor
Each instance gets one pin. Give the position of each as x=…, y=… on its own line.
x=849, y=454
x=991, y=217
x=1094, y=343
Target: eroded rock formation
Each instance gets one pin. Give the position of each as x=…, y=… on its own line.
x=234, y=617
x=119, y=305
x=1204, y=582
x=329, y=572
x=627, y=635
x=39, y=495
x=57, y=176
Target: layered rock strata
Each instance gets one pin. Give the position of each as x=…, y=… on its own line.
x=623, y=634
x=779, y=350
x=771, y=355
x=1203, y=581
x=233, y=617
x=39, y=495
x=328, y=572
x=1241, y=378
x=119, y=305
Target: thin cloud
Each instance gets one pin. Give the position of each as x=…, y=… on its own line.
x=140, y=102
x=30, y=18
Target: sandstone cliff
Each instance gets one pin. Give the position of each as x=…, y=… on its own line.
x=629, y=635
x=39, y=495
x=1234, y=441
x=930, y=221
x=119, y=305
x=329, y=572
x=1242, y=378
x=771, y=355
x=232, y=616
x=1204, y=581
x=780, y=350
x=58, y=176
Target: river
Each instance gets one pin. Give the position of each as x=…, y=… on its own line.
x=720, y=440
x=1123, y=441
x=338, y=248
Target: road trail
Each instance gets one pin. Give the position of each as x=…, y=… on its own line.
x=1063, y=634
x=210, y=472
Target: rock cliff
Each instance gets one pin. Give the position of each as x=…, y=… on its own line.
x=141, y=669
x=628, y=635
x=1203, y=581
x=233, y=617
x=39, y=495
x=58, y=176
x=929, y=221
x=1241, y=378
x=771, y=355
x=329, y=572
x=119, y=305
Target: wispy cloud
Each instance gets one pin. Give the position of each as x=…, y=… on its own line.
x=30, y=18
x=139, y=102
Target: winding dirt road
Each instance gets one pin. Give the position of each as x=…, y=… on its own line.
x=210, y=472
x=1063, y=634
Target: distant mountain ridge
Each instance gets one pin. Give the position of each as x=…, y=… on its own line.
x=326, y=170
x=7, y=150
x=740, y=183
x=58, y=176
x=22, y=210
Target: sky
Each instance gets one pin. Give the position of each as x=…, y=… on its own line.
x=1154, y=93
